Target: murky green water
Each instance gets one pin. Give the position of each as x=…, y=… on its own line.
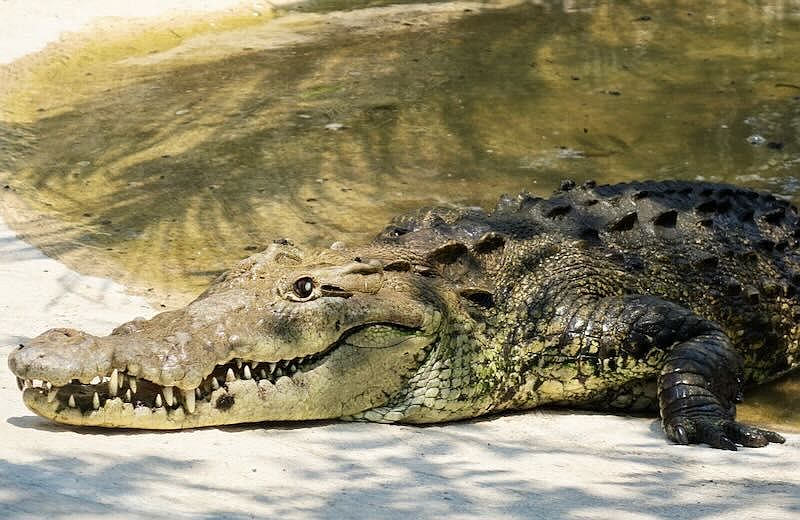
x=164, y=157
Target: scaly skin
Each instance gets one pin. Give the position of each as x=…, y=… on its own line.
x=655, y=295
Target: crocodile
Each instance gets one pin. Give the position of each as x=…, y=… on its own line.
x=665, y=296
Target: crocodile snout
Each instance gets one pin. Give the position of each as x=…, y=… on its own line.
x=60, y=355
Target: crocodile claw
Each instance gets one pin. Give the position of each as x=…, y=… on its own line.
x=680, y=435
x=750, y=436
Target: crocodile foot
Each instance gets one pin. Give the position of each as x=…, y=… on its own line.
x=718, y=433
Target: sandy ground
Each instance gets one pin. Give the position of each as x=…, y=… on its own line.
x=535, y=465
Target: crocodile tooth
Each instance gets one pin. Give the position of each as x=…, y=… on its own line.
x=262, y=373
x=278, y=372
x=188, y=400
x=169, y=397
x=132, y=384
x=96, y=401
x=292, y=369
x=158, y=401
x=48, y=385
x=71, y=401
x=96, y=380
x=247, y=374
x=254, y=364
x=28, y=383
x=214, y=383
x=113, y=383
x=238, y=363
x=230, y=376
x=198, y=393
x=128, y=395
x=20, y=383
x=272, y=367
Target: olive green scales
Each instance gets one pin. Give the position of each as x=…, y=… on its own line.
x=666, y=296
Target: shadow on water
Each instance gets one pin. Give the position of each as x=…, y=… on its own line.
x=356, y=473
x=173, y=164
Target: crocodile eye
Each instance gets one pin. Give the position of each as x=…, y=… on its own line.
x=303, y=287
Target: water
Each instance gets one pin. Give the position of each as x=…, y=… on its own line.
x=161, y=157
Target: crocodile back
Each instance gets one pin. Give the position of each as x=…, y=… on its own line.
x=729, y=254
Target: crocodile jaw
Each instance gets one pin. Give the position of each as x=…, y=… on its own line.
x=75, y=378
x=350, y=380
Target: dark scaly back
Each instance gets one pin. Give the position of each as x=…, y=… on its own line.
x=729, y=254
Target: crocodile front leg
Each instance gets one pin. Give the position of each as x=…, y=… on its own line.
x=700, y=371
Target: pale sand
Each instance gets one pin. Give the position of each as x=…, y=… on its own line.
x=535, y=465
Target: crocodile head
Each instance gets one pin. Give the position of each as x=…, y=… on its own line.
x=282, y=336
